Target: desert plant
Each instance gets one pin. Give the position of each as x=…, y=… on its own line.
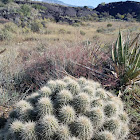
x=109, y=25
x=126, y=56
x=68, y=109
x=36, y=26
x=5, y=35
x=25, y=10
x=82, y=32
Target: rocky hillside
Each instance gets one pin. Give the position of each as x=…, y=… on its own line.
x=57, y=2
x=122, y=10
x=52, y=11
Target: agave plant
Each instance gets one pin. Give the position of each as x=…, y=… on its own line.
x=126, y=58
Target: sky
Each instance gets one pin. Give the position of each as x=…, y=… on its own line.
x=93, y=3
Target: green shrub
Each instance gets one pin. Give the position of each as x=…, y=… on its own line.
x=11, y=27
x=25, y=10
x=1, y=4
x=82, y=32
x=39, y=7
x=131, y=98
x=62, y=31
x=7, y=1
x=26, y=30
x=109, y=25
x=36, y=26
x=5, y=35
x=66, y=110
x=100, y=30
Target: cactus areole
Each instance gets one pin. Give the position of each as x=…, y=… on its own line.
x=68, y=109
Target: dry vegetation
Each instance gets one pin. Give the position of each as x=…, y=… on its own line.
x=89, y=42
x=55, y=50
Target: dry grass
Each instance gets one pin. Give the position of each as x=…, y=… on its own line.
x=59, y=42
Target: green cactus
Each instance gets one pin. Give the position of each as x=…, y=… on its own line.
x=73, y=87
x=44, y=106
x=97, y=117
x=124, y=117
x=23, y=109
x=111, y=109
x=82, y=81
x=124, y=132
x=29, y=131
x=45, y=91
x=81, y=102
x=68, y=109
x=82, y=128
x=49, y=126
x=63, y=133
x=101, y=93
x=60, y=85
x=97, y=102
x=113, y=125
x=89, y=90
x=52, y=85
x=16, y=128
x=33, y=98
x=104, y=135
x=67, y=114
x=64, y=97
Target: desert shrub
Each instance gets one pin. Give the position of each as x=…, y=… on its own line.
x=100, y=30
x=11, y=27
x=7, y=1
x=105, y=30
x=26, y=30
x=1, y=4
x=36, y=26
x=131, y=99
x=109, y=25
x=35, y=72
x=62, y=31
x=5, y=35
x=25, y=10
x=6, y=96
x=39, y=7
x=68, y=109
x=76, y=24
x=82, y=32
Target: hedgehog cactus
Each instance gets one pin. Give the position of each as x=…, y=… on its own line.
x=68, y=109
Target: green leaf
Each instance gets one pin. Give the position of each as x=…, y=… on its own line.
x=125, y=53
x=135, y=64
x=133, y=54
x=120, y=49
x=134, y=75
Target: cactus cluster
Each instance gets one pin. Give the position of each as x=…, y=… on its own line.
x=68, y=109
